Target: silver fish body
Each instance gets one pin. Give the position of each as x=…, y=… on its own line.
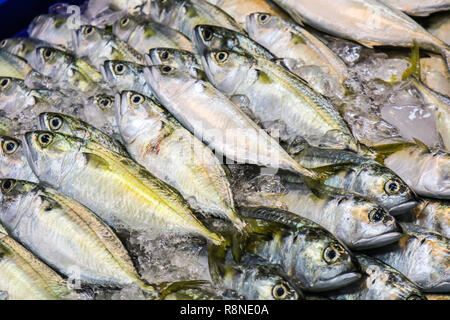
x=146, y=35
x=370, y=22
x=309, y=254
x=357, y=222
x=379, y=282
x=422, y=256
x=125, y=193
x=217, y=121
x=55, y=29
x=184, y=15
x=419, y=8
x=158, y=142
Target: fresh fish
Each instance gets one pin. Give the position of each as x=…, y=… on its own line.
x=66, y=68
x=434, y=74
x=192, y=294
x=125, y=75
x=422, y=256
x=214, y=119
x=99, y=111
x=255, y=279
x=431, y=214
x=301, y=113
x=66, y=235
x=23, y=47
x=170, y=152
x=379, y=282
x=349, y=171
x=310, y=255
x=419, y=7
x=369, y=22
x=62, y=123
x=442, y=105
x=96, y=7
x=239, y=10
x=176, y=58
x=426, y=171
x=52, y=28
x=116, y=188
x=25, y=277
x=98, y=45
x=208, y=37
x=439, y=26
x=13, y=160
x=184, y=15
x=144, y=35
x=357, y=222
x=13, y=66
x=299, y=50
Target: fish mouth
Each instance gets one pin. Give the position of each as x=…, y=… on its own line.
x=336, y=282
x=104, y=73
x=30, y=153
x=404, y=207
x=201, y=47
x=377, y=241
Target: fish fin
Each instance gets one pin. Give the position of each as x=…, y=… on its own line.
x=422, y=145
x=321, y=190
x=385, y=150
x=166, y=288
x=414, y=59
x=96, y=161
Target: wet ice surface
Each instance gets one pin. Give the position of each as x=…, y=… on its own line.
x=381, y=108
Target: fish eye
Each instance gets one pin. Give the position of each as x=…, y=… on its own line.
x=88, y=30
x=10, y=146
x=376, y=215
x=164, y=55
x=280, y=291
x=45, y=139
x=414, y=297
x=7, y=185
x=104, y=102
x=392, y=186
x=55, y=123
x=136, y=98
x=221, y=56
x=5, y=82
x=47, y=53
x=207, y=34
x=263, y=18
x=166, y=69
x=3, y=43
x=124, y=22
x=330, y=255
x=119, y=68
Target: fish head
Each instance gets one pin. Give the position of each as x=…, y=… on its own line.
x=122, y=74
x=209, y=37
x=17, y=46
x=87, y=39
x=40, y=24
x=12, y=155
x=367, y=225
x=268, y=282
x=167, y=82
x=429, y=260
x=176, y=58
x=326, y=263
x=124, y=27
x=385, y=187
x=51, y=27
x=58, y=122
x=13, y=194
x=136, y=114
x=262, y=25
x=9, y=87
x=51, y=155
x=228, y=70
x=49, y=61
x=382, y=282
x=99, y=110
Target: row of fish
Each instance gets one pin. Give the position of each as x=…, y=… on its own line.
x=124, y=118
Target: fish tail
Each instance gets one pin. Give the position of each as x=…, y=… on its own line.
x=166, y=288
